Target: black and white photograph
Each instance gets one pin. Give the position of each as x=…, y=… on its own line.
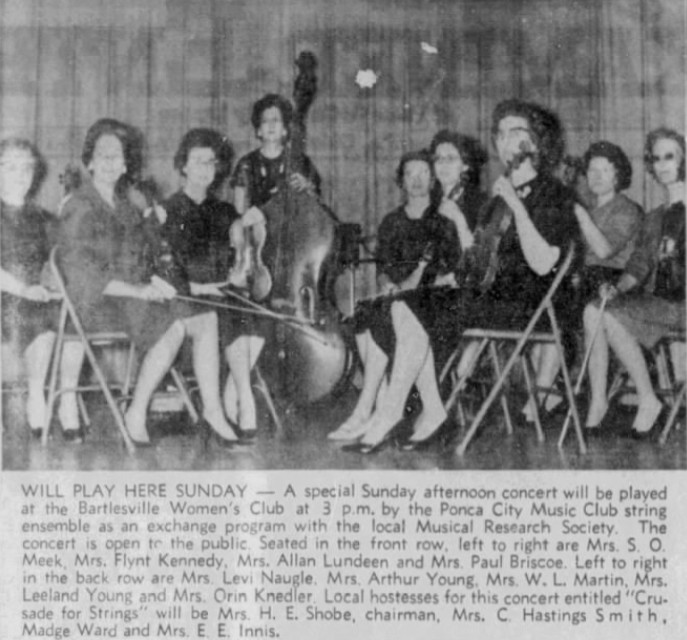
x=334, y=317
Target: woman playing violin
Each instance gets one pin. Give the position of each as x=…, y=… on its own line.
x=103, y=251
x=197, y=228
x=419, y=246
x=541, y=223
x=28, y=317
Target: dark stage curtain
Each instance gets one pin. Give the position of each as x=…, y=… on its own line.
x=612, y=70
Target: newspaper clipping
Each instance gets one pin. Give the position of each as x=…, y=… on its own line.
x=301, y=497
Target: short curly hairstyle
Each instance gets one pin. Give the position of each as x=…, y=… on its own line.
x=663, y=133
x=545, y=127
x=130, y=138
x=423, y=155
x=40, y=167
x=206, y=139
x=267, y=102
x=616, y=156
x=471, y=152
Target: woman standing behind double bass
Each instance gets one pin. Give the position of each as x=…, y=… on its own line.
x=197, y=228
x=260, y=174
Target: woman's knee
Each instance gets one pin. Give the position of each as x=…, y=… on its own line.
x=591, y=317
x=201, y=324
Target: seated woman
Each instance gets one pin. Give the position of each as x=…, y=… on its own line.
x=609, y=231
x=648, y=300
x=610, y=228
x=28, y=318
x=197, y=228
x=419, y=246
x=103, y=249
x=525, y=231
x=260, y=174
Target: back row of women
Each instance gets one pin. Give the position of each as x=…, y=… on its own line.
x=112, y=244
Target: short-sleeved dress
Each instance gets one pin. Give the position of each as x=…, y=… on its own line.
x=25, y=250
x=97, y=244
x=620, y=222
x=656, y=308
x=516, y=290
x=262, y=177
x=199, y=237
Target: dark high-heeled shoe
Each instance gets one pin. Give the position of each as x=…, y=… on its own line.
x=141, y=444
x=73, y=435
x=368, y=449
x=209, y=435
x=442, y=435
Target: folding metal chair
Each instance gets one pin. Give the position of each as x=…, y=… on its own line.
x=89, y=340
x=522, y=340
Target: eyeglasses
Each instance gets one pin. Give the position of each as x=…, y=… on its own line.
x=510, y=134
x=210, y=164
x=667, y=157
x=446, y=159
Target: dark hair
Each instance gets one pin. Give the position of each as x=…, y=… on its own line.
x=130, y=138
x=663, y=133
x=545, y=127
x=267, y=102
x=471, y=152
x=412, y=156
x=40, y=168
x=206, y=139
x=616, y=156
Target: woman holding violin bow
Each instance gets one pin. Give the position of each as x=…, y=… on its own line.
x=521, y=237
x=419, y=249
x=104, y=245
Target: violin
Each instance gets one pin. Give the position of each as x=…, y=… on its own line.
x=249, y=273
x=161, y=258
x=483, y=259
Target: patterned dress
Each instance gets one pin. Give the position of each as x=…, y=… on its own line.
x=24, y=237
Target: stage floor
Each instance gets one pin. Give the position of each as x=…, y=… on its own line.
x=303, y=445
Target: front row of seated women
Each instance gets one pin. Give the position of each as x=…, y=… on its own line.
x=522, y=236
x=447, y=261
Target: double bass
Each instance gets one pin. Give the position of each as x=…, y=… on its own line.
x=301, y=251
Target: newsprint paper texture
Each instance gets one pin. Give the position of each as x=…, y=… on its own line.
x=140, y=549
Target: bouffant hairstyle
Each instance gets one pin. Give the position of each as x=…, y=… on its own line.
x=40, y=167
x=545, y=127
x=201, y=138
x=616, y=156
x=471, y=152
x=267, y=102
x=663, y=133
x=422, y=155
x=130, y=138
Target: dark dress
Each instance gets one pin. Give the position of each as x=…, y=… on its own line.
x=97, y=244
x=24, y=250
x=656, y=308
x=445, y=313
x=199, y=237
x=401, y=243
x=262, y=177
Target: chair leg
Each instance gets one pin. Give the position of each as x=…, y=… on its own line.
x=680, y=399
x=181, y=385
x=54, y=370
x=532, y=395
x=493, y=351
x=569, y=391
x=262, y=387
